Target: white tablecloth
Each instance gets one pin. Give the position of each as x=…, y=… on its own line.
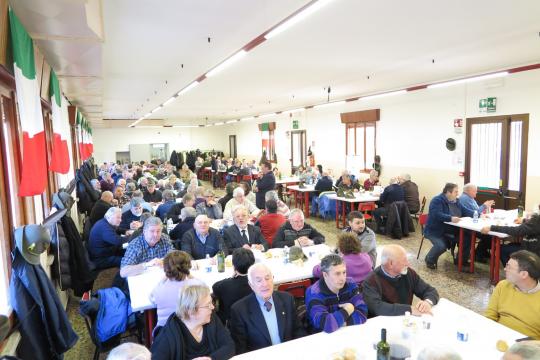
x=358, y=197
x=499, y=217
x=447, y=319
x=140, y=286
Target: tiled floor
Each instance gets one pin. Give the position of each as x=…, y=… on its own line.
x=470, y=290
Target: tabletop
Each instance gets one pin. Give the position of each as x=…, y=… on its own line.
x=358, y=197
x=498, y=217
x=306, y=188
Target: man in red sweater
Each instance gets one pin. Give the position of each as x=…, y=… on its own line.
x=270, y=222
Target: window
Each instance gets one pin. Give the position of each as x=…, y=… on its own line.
x=268, y=141
x=360, y=146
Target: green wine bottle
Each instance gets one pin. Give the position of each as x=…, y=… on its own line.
x=383, y=348
x=221, y=260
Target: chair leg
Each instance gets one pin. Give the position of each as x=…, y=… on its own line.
x=96, y=354
x=420, y=248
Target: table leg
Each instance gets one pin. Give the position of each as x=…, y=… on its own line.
x=337, y=214
x=306, y=204
x=492, y=259
x=497, y=264
x=343, y=214
x=473, y=250
x=149, y=324
x=460, y=250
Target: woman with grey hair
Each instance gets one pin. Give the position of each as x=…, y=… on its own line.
x=210, y=207
x=193, y=331
x=129, y=351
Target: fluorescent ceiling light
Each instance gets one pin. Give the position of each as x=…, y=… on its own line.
x=187, y=88
x=247, y=118
x=266, y=115
x=226, y=63
x=466, y=80
x=156, y=109
x=295, y=110
x=329, y=104
x=149, y=127
x=231, y=121
x=296, y=18
x=170, y=100
x=208, y=125
x=369, y=97
x=185, y=126
x=219, y=123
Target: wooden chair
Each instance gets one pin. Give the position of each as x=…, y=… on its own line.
x=422, y=219
x=297, y=289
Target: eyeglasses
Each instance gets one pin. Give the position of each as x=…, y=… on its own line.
x=209, y=306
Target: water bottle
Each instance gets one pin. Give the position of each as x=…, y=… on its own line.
x=170, y=225
x=208, y=263
x=475, y=216
x=285, y=254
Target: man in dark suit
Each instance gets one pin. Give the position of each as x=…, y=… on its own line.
x=266, y=183
x=228, y=291
x=101, y=206
x=242, y=234
x=266, y=317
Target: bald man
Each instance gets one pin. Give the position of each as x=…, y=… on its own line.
x=389, y=289
x=101, y=206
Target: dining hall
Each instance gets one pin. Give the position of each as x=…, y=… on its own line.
x=254, y=179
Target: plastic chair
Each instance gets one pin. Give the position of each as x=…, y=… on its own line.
x=421, y=211
x=422, y=219
x=365, y=208
x=296, y=288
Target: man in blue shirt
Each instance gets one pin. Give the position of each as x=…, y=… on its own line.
x=202, y=239
x=147, y=250
x=266, y=317
x=467, y=200
x=105, y=244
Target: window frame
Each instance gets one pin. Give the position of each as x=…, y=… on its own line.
x=363, y=125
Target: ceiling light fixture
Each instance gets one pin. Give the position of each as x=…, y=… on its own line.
x=304, y=13
x=230, y=121
x=170, y=100
x=295, y=110
x=187, y=88
x=156, y=109
x=219, y=123
x=391, y=93
x=329, y=104
x=266, y=115
x=185, y=126
x=240, y=54
x=467, y=80
x=247, y=118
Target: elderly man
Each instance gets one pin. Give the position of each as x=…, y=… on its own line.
x=96, y=185
x=239, y=198
x=392, y=193
x=334, y=300
x=105, y=245
x=282, y=208
x=444, y=207
x=523, y=350
x=131, y=218
x=266, y=183
x=168, y=203
x=138, y=195
x=366, y=236
x=373, y=180
x=202, y=240
x=187, y=218
x=151, y=194
x=410, y=190
x=515, y=302
x=230, y=290
x=243, y=234
x=297, y=232
x=266, y=317
x=389, y=289
x=146, y=250
x=188, y=200
x=210, y=207
x=100, y=207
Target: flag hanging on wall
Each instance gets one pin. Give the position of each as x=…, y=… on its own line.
x=60, y=156
x=34, y=163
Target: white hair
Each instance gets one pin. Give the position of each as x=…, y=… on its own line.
x=256, y=267
x=271, y=195
x=111, y=212
x=469, y=186
x=239, y=207
x=238, y=191
x=405, y=177
x=528, y=350
x=129, y=351
x=296, y=212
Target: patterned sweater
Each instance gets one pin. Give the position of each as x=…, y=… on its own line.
x=323, y=306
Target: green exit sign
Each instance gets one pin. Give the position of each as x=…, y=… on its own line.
x=295, y=124
x=488, y=105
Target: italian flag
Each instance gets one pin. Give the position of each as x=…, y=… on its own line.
x=60, y=156
x=265, y=133
x=34, y=162
x=86, y=148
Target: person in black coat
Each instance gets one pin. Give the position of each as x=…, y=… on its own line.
x=192, y=244
x=100, y=207
x=392, y=193
x=228, y=291
x=266, y=317
x=131, y=218
x=266, y=183
x=242, y=234
x=193, y=331
x=188, y=218
x=151, y=194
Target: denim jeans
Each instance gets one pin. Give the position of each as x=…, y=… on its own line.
x=440, y=244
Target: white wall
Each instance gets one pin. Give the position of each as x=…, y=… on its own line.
x=411, y=133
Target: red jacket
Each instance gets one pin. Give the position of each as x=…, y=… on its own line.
x=270, y=224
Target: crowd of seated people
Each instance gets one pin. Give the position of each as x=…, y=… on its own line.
x=251, y=313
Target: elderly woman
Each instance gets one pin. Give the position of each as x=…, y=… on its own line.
x=210, y=207
x=372, y=180
x=282, y=208
x=185, y=174
x=176, y=265
x=193, y=332
x=239, y=199
x=357, y=263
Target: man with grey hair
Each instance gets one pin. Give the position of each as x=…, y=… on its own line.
x=188, y=200
x=410, y=190
x=202, y=240
x=265, y=317
x=129, y=351
x=210, y=207
x=389, y=289
x=168, y=203
x=96, y=185
x=334, y=300
x=146, y=250
x=105, y=245
x=137, y=194
x=243, y=234
x=296, y=232
x=239, y=198
x=282, y=208
x=187, y=218
x=525, y=350
x=392, y=193
x=131, y=219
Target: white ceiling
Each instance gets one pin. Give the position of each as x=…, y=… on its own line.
x=136, y=65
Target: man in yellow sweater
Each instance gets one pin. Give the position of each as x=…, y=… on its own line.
x=515, y=302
